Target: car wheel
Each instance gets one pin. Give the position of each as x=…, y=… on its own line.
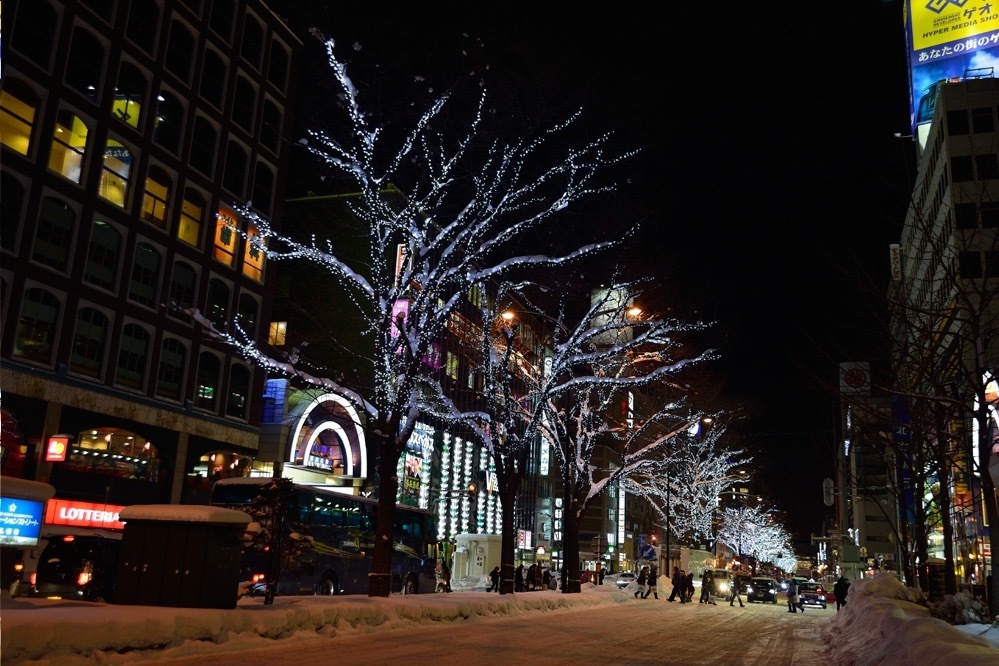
x=329, y=585
x=823, y=606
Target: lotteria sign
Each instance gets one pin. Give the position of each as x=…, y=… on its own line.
x=83, y=514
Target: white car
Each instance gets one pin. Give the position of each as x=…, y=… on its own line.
x=623, y=579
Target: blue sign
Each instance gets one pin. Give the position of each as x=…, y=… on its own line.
x=648, y=552
x=20, y=521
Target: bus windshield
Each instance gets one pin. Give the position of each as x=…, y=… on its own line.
x=342, y=529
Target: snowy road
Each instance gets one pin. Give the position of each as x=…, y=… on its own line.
x=643, y=632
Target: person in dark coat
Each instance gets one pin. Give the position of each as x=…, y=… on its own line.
x=518, y=579
x=529, y=580
x=689, y=588
x=494, y=577
x=652, y=582
x=678, y=585
x=792, y=592
x=546, y=580
x=840, y=589
x=707, y=586
x=643, y=576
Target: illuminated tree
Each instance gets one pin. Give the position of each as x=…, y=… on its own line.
x=684, y=483
x=471, y=203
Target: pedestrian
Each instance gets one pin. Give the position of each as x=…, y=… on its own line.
x=677, y=585
x=518, y=579
x=529, y=582
x=792, y=596
x=643, y=576
x=690, y=587
x=444, y=577
x=652, y=583
x=707, y=587
x=600, y=574
x=494, y=577
x=840, y=590
x=537, y=577
x=736, y=593
x=546, y=579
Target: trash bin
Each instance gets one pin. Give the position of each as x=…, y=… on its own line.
x=180, y=555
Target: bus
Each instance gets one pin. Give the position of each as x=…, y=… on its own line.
x=342, y=527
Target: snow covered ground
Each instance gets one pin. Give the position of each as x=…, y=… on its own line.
x=880, y=625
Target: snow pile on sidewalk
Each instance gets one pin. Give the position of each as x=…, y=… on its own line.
x=882, y=624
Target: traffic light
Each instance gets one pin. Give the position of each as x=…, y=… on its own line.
x=655, y=539
x=473, y=489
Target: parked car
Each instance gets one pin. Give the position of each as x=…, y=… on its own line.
x=762, y=588
x=812, y=594
x=77, y=567
x=623, y=579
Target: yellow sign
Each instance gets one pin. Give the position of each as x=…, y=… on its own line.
x=936, y=22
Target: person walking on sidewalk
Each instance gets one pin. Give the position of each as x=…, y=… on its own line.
x=652, y=583
x=678, y=583
x=736, y=593
x=792, y=594
x=643, y=576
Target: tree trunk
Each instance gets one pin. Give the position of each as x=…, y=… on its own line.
x=944, y=471
x=508, y=493
x=380, y=577
x=570, y=546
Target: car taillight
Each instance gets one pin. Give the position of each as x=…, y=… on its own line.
x=86, y=575
x=258, y=578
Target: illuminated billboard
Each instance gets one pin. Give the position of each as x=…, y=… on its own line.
x=947, y=40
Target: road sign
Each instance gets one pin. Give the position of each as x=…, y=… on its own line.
x=648, y=552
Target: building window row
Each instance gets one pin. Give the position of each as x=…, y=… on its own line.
x=131, y=363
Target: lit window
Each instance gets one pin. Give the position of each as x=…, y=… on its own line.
x=18, y=105
x=278, y=333
x=157, y=197
x=129, y=93
x=115, y=172
x=226, y=227
x=69, y=143
x=191, y=210
x=253, y=256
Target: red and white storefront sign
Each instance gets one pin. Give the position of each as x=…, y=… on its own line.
x=83, y=514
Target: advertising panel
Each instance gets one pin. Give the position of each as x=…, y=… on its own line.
x=947, y=40
x=20, y=521
x=83, y=514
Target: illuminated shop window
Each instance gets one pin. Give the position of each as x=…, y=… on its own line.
x=69, y=144
x=115, y=172
x=18, y=106
x=226, y=225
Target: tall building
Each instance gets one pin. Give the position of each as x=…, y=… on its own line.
x=131, y=132
x=947, y=263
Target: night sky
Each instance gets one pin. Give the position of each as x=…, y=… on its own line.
x=769, y=182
